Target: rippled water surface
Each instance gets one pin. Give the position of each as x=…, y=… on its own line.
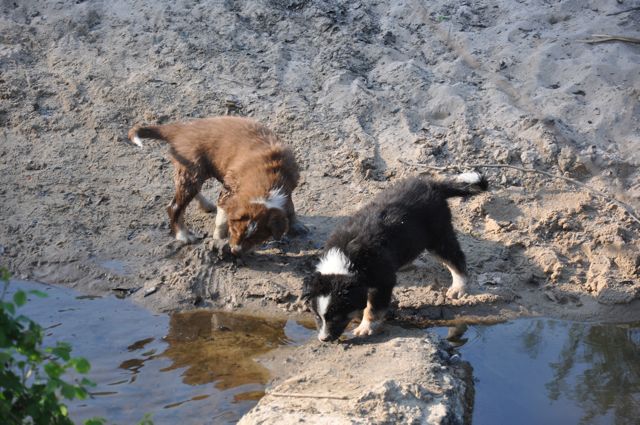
x=188, y=368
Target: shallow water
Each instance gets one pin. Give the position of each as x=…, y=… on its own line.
x=187, y=368
x=542, y=371
x=198, y=367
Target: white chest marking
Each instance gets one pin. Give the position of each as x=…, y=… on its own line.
x=277, y=199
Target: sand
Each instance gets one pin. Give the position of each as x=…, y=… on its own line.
x=355, y=88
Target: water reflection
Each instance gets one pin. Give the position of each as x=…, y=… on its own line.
x=534, y=371
x=220, y=347
x=189, y=368
x=599, y=368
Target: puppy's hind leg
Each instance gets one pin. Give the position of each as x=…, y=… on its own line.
x=458, y=286
x=453, y=258
x=187, y=186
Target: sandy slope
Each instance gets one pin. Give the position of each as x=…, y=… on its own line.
x=355, y=88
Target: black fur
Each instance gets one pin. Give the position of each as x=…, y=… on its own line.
x=391, y=231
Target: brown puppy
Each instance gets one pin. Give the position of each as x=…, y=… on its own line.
x=257, y=172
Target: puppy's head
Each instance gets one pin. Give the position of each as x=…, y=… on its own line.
x=334, y=295
x=254, y=222
x=334, y=301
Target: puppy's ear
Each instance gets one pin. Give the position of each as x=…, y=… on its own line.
x=278, y=223
x=310, y=286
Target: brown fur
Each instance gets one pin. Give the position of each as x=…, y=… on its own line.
x=246, y=157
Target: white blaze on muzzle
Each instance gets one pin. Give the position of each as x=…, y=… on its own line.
x=323, y=305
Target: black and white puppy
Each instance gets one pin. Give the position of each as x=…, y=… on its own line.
x=358, y=267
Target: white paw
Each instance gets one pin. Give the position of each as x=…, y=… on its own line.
x=364, y=329
x=456, y=291
x=186, y=236
x=219, y=244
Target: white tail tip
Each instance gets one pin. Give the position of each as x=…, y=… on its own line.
x=137, y=141
x=471, y=178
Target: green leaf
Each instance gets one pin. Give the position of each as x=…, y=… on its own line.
x=53, y=369
x=4, y=274
x=38, y=294
x=63, y=410
x=68, y=391
x=146, y=420
x=81, y=393
x=82, y=365
x=9, y=307
x=20, y=298
x=95, y=421
x=87, y=383
x=62, y=350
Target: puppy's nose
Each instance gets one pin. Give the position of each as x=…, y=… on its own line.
x=325, y=337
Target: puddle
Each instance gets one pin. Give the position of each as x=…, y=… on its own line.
x=187, y=368
x=198, y=368
x=542, y=371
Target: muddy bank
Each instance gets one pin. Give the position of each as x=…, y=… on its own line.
x=398, y=376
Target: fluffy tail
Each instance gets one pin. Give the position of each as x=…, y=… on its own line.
x=466, y=184
x=138, y=132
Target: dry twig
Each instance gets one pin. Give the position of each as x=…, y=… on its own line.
x=623, y=11
x=601, y=38
x=603, y=195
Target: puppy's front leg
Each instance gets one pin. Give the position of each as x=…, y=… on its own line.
x=221, y=229
x=367, y=326
x=377, y=304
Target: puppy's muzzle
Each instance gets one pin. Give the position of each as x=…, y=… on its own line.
x=327, y=337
